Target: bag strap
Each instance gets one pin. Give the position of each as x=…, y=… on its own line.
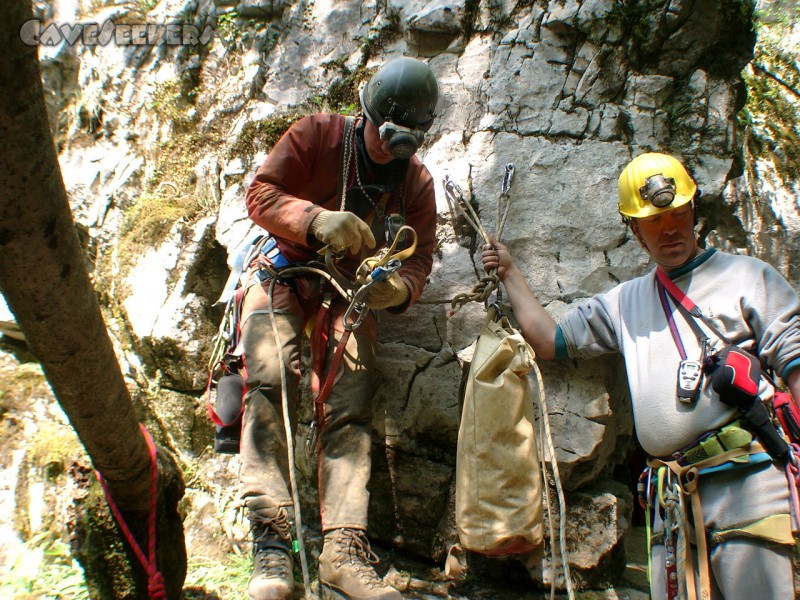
x=688, y=308
x=673, y=328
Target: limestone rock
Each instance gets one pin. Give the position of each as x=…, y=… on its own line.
x=567, y=91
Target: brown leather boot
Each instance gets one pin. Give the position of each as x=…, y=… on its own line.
x=346, y=569
x=273, y=564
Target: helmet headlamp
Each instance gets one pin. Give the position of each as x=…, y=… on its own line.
x=658, y=190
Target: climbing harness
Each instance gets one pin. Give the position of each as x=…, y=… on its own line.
x=156, y=589
x=480, y=293
x=371, y=271
x=752, y=439
x=272, y=268
x=675, y=488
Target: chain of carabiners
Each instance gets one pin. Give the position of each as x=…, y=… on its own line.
x=672, y=509
x=349, y=151
x=455, y=198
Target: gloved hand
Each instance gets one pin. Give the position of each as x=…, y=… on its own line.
x=736, y=377
x=341, y=230
x=390, y=292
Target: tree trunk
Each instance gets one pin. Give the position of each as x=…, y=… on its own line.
x=45, y=283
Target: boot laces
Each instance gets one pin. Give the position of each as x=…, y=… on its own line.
x=360, y=555
x=271, y=550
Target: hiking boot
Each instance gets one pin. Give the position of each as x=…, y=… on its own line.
x=346, y=569
x=273, y=564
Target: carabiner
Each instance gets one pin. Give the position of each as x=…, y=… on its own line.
x=509, y=175
x=452, y=190
x=382, y=272
x=362, y=311
x=311, y=439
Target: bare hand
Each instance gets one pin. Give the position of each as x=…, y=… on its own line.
x=496, y=257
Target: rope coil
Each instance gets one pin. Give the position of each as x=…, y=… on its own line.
x=455, y=198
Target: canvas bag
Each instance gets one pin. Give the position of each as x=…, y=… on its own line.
x=498, y=503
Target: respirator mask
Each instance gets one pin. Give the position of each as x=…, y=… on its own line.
x=403, y=141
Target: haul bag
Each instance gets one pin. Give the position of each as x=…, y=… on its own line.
x=498, y=500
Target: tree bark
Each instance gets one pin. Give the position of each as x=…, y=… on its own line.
x=44, y=280
x=45, y=284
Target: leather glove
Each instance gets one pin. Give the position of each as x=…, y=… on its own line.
x=390, y=292
x=341, y=230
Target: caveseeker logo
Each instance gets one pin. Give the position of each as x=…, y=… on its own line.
x=34, y=33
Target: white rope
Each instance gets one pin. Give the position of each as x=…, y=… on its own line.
x=305, y=269
x=562, y=537
x=301, y=547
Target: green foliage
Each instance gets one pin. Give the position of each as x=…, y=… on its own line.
x=170, y=104
x=227, y=29
x=636, y=17
x=680, y=108
x=147, y=222
x=227, y=579
x=342, y=95
x=44, y=569
x=380, y=36
x=770, y=120
x=471, y=14
x=170, y=192
x=261, y=135
x=26, y=382
x=53, y=448
x=146, y=5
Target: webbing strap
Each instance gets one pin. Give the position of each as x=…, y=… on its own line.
x=333, y=371
x=371, y=263
x=774, y=528
x=688, y=477
x=320, y=388
x=319, y=345
x=728, y=438
x=685, y=304
x=702, y=544
x=673, y=329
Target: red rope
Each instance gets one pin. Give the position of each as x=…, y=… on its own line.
x=156, y=588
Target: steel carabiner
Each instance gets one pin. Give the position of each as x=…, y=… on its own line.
x=509, y=175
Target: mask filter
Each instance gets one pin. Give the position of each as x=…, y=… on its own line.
x=403, y=142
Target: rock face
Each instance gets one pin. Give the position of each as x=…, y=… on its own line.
x=158, y=144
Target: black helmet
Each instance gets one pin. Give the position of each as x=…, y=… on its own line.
x=400, y=99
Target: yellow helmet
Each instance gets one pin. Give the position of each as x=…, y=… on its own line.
x=654, y=183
